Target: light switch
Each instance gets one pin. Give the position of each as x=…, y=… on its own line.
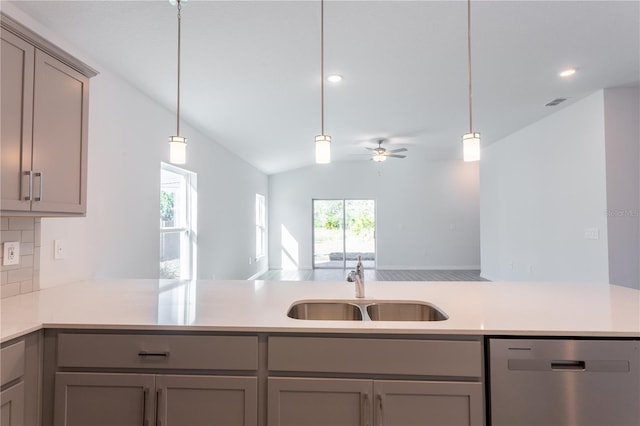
x=11, y=253
x=59, y=251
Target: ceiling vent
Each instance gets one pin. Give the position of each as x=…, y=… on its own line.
x=556, y=101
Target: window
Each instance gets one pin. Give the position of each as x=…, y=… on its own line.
x=261, y=227
x=177, y=222
x=342, y=231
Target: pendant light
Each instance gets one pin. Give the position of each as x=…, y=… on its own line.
x=323, y=142
x=177, y=143
x=471, y=140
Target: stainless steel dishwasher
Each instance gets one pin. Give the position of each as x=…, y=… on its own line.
x=558, y=382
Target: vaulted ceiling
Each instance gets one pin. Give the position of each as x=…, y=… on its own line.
x=251, y=69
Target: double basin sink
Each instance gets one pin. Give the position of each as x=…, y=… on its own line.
x=376, y=310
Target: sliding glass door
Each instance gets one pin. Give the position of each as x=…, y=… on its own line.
x=342, y=231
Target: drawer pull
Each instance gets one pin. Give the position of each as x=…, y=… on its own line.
x=567, y=365
x=145, y=354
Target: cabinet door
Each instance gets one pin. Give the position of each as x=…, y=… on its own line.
x=205, y=400
x=17, y=106
x=319, y=402
x=12, y=405
x=61, y=105
x=95, y=399
x=428, y=403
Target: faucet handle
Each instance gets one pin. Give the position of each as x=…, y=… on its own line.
x=351, y=277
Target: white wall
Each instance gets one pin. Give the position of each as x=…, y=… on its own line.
x=119, y=238
x=541, y=188
x=427, y=211
x=622, y=130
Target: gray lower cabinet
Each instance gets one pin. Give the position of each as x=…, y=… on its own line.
x=427, y=403
x=204, y=400
x=107, y=399
x=328, y=402
x=358, y=381
x=145, y=379
x=12, y=405
x=104, y=399
x=20, y=375
x=316, y=401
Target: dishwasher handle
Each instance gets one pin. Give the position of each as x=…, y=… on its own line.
x=568, y=365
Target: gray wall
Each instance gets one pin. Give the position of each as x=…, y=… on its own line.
x=427, y=211
x=622, y=135
x=548, y=184
x=119, y=237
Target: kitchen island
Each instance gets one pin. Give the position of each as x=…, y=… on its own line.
x=473, y=308
x=225, y=352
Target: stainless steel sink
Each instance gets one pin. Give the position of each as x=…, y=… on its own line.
x=372, y=310
x=325, y=311
x=404, y=311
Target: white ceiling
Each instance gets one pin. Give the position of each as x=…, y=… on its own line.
x=251, y=69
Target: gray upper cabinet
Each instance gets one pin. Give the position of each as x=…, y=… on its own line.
x=17, y=108
x=45, y=105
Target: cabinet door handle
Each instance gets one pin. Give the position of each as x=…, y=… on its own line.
x=158, y=411
x=379, y=405
x=145, y=394
x=30, y=186
x=367, y=410
x=39, y=197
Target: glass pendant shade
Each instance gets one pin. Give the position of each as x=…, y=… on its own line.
x=379, y=157
x=177, y=150
x=323, y=149
x=471, y=146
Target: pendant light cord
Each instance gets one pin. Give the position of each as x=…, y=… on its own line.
x=322, y=64
x=469, y=59
x=179, y=43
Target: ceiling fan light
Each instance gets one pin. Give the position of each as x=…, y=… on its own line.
x=471, y=146
x=177, y=150
x=323, y=149
x=378, y=157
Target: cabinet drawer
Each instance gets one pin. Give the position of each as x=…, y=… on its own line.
x=158, y=351
x=11, y=362
x=376, y=356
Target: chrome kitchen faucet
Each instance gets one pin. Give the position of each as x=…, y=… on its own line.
x=357, y=277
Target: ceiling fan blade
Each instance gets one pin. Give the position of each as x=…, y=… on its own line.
x=398, y=150
x=370, y=149
x=397, y=156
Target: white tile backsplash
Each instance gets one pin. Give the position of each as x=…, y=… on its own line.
x=24, y=277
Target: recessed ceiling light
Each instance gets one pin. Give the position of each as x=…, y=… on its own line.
x=568, y=72
x=334, y=78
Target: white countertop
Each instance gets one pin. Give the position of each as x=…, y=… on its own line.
x=474, y=308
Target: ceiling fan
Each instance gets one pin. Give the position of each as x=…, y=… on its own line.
x=381, y=154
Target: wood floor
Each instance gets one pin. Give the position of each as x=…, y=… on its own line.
x=372, y=275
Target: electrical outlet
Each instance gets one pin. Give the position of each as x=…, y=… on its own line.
x=59, y=250
x=591, y=234
x=11, y=253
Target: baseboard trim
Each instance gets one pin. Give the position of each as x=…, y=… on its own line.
x=427, y=268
